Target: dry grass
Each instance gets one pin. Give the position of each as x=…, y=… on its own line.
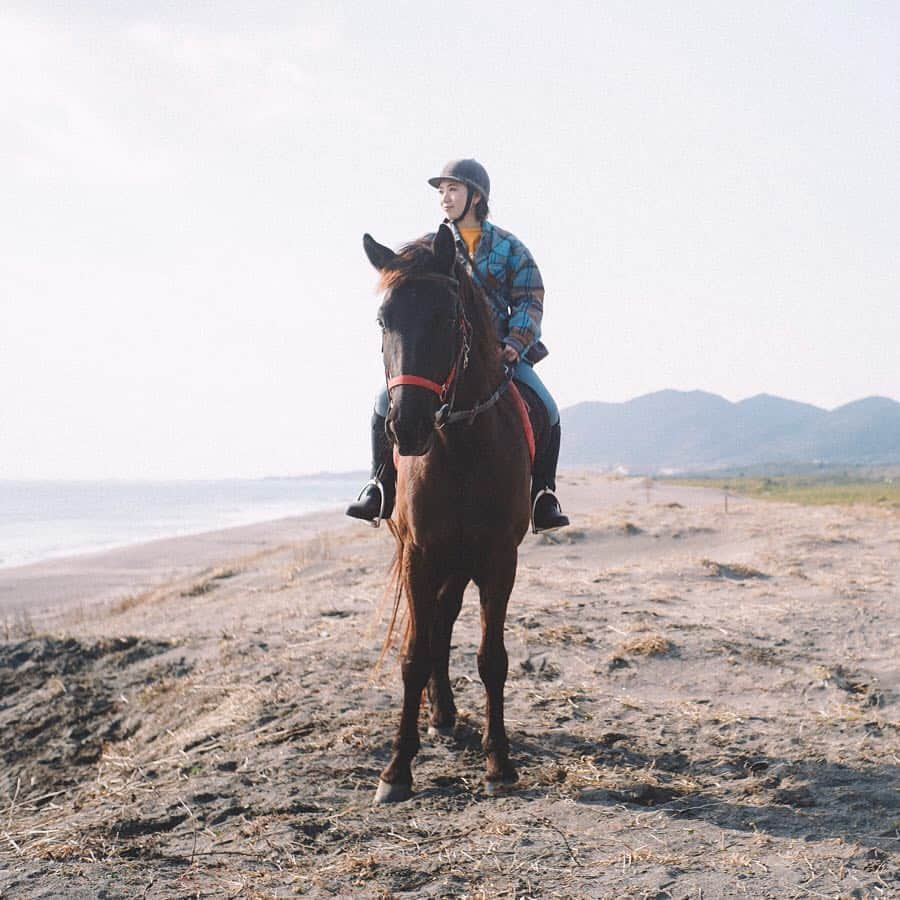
x=735, y=571
x=199, y=589
x=130, y=602
x=19, y=626
x=880, y=490
x=643, y=644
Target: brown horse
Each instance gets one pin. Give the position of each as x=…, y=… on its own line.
x=462, y=504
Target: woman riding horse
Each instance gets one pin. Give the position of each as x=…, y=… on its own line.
x=499, y=264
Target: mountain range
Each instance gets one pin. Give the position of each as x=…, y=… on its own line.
x=695, y=430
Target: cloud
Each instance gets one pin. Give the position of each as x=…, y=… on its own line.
x=89, y=102
x=253, y=74
x=59, y=125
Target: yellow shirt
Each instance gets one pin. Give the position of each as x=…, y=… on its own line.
x=471, y=236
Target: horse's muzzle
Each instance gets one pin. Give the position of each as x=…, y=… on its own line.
x=417, y=447
x=412, y=438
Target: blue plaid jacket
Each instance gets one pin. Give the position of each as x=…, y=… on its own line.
x=506, y=272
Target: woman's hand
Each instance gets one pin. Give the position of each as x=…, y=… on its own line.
x=510, y=354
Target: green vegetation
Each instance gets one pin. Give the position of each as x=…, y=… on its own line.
x=829, y=487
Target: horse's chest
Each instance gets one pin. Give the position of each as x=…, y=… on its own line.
x=447, y=502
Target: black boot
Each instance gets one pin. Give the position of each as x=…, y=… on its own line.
x=545, y=510
x=376, y=500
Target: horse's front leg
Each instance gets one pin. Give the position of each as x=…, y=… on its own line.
x=396, y=780
x=440, y=694
x=495, y=585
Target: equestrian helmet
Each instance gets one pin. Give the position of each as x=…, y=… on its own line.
x=469, y=172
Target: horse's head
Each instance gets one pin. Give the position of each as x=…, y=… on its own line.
x=423, y=332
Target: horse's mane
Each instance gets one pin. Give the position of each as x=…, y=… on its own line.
x=417, y=258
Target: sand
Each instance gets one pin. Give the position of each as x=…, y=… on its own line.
x=701, y=703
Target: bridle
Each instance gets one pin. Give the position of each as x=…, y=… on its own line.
x=446, y=392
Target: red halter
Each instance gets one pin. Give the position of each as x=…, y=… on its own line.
x=417, y=381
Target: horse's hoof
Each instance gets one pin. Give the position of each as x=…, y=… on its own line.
x=500, y=786
x=392, y=793
x=440, y=731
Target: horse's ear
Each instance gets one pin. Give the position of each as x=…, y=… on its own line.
x=379, y=256
x=444, y=250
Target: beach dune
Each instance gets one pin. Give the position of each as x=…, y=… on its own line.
x=700, y=702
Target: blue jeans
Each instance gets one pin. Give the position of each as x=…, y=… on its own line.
x=525, y=374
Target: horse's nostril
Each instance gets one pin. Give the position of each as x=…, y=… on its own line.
x=391, y=430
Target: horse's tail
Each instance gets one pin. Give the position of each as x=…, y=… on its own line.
x=397, y=585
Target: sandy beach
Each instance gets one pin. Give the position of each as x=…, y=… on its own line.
x=702, y=703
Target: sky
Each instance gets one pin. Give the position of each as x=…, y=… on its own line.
x=710, y=190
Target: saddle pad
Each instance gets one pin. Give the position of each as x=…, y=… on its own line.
x=526, y=419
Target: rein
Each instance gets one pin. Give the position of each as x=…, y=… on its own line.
x=446, y=414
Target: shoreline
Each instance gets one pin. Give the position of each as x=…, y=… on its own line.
x=80, y=551
x=105, y=575
x=46, y=520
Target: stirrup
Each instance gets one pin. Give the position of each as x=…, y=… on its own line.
x=534, y=528
x=376, y=483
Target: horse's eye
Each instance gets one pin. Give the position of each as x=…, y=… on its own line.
x=380, y=322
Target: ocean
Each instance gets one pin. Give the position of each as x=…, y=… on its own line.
x=46, y=519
